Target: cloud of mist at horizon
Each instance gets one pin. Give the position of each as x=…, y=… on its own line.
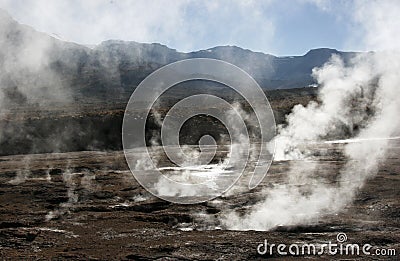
x=172, y=22
x=269, y=26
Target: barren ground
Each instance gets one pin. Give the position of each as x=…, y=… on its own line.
x=98, y=211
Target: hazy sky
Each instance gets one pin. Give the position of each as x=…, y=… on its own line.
x=272, y=26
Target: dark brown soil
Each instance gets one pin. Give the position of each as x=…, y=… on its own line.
x=100, y=212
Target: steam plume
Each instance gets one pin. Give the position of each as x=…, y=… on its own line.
x=359, y=100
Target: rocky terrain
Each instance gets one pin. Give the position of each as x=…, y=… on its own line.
x=97, y=126
x=87, y=205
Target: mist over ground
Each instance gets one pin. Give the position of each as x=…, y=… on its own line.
x=68, y=192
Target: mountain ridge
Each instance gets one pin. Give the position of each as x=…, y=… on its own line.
x=115, y=67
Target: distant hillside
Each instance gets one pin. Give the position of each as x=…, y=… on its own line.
x=33, y=60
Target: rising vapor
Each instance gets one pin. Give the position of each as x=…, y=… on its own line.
x=358, y=100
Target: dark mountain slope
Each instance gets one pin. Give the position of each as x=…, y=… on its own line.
x=30, y=60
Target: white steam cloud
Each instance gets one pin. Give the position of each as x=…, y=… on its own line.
x=27, y=76
x=26, y=66
x=358, y=100
x=177, y=23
